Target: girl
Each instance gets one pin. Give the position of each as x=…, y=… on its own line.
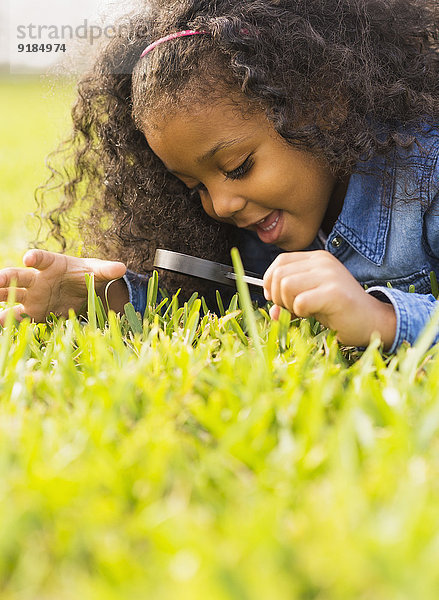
x=305, y=132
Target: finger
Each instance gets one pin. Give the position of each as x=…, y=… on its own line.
x=40, y=259
x=286, y=257
x=105, y=270
x=273, y=279
x=285, y=289
x=17, y=311
x=268, y=275
x=275, y=312
x=300, y=261
x=310, y=303
x=17, y=276
x=320, y=257
x=19, y=294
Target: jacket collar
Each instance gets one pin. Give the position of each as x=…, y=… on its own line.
x=365, y=217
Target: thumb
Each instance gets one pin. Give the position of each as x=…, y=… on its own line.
x=105, y=270
x=40, y=259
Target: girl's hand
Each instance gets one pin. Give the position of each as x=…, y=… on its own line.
x=317, y=284
x=54, y=283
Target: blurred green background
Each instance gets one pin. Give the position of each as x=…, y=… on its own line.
x=35, y=112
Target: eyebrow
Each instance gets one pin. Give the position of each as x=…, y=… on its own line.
x=221, y=145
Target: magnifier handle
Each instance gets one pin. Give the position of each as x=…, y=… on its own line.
x=250, y=280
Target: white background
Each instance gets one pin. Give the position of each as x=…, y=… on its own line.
x=52, y=13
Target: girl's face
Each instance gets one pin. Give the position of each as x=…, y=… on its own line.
x=247, y=175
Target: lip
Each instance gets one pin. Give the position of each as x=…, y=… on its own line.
x=273, y=221
x=252, y=224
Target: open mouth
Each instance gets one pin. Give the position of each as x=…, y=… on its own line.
x=269, y=222
x=269, y=229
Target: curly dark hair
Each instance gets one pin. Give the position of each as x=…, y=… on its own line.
x=339, y=80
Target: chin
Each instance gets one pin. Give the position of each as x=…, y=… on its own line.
x=287, y=246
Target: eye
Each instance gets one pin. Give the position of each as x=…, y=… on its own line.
x=242, y=170
x=238, y=173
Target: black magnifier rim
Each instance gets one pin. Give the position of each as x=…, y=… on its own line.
x=196, y=267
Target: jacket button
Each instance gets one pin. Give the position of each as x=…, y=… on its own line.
x=336, y=242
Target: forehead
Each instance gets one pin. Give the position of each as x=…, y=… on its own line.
x=188, y=133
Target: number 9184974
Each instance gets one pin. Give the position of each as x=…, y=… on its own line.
x=41, y=47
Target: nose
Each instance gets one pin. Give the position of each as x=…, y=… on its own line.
x=226, y=204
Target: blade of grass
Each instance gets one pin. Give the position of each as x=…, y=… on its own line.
x=133, y=318
x=245, y=300
x=238, y=330
x=7, y=333
x=101, y=314
x=191, y=301
x=153, y=288
x=219, y=301
x=91, y=303
x=116, y=334
x=171, y=308
x=233, y=303
x=284, y=326
x=204, y=306
x=191, y=324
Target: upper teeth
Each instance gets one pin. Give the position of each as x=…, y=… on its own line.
x=272, y=226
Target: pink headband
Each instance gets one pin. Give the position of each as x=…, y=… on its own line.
x=171, y=36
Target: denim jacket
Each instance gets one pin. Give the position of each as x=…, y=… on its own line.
x=386, y=233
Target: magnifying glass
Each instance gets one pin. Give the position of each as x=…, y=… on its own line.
x=200, y=267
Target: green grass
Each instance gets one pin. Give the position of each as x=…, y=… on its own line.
x=36, y=117
x=188, y=455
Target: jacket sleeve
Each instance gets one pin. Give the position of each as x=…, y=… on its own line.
x=413, y=311
x=137, y=289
